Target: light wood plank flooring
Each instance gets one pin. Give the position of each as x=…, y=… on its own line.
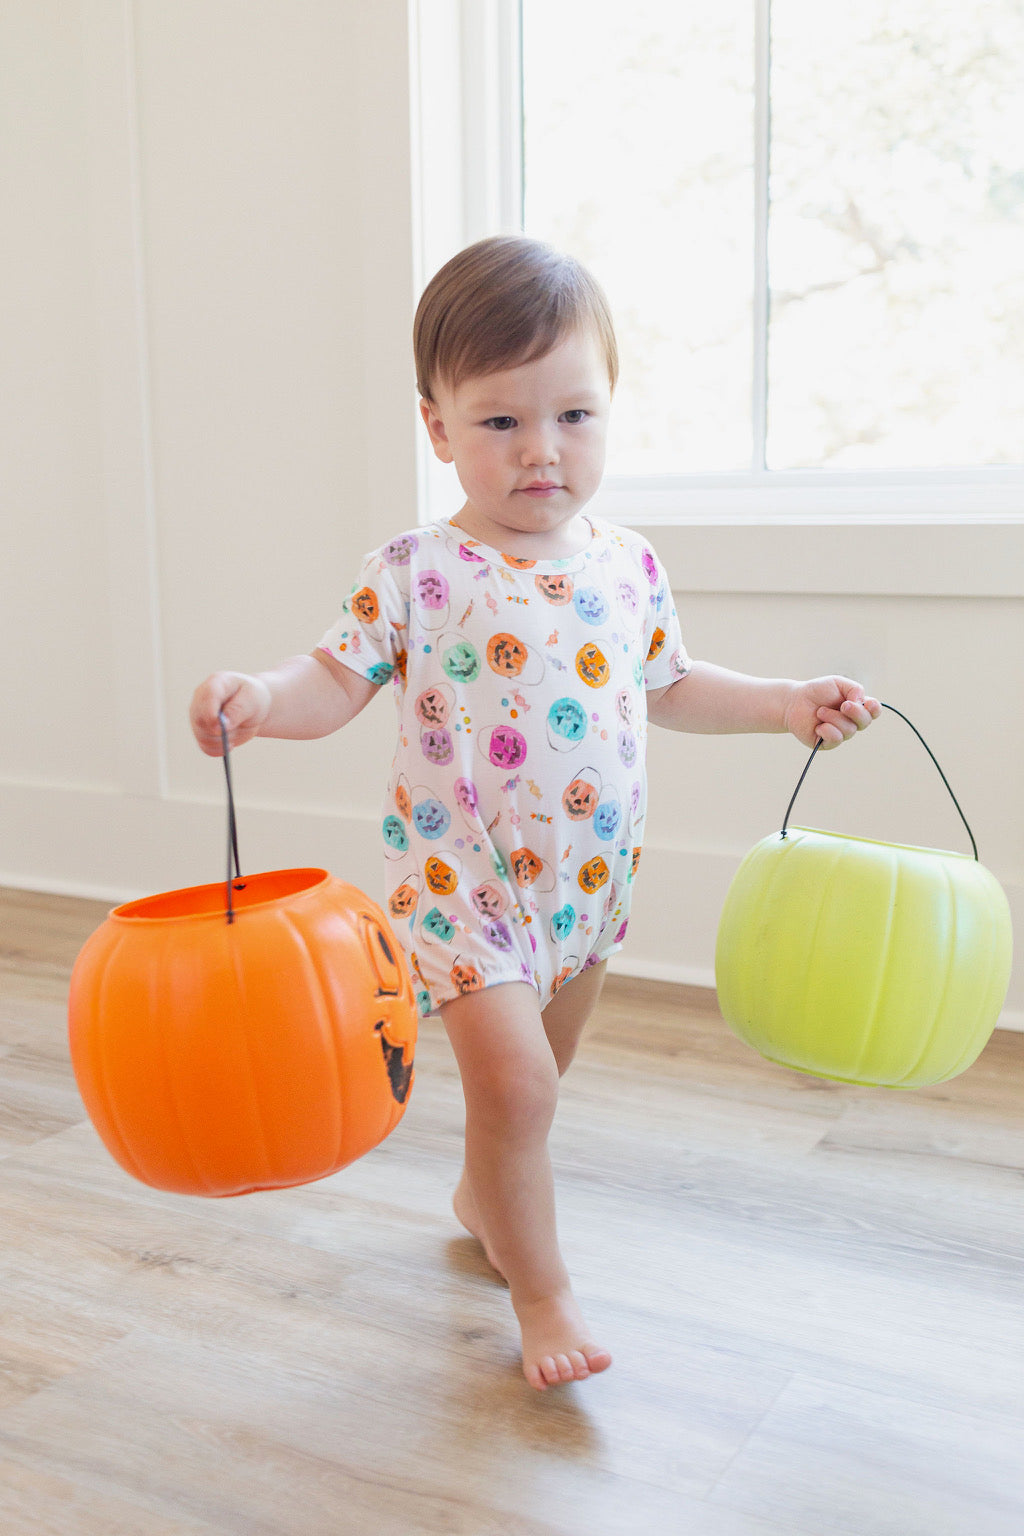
x=813, y=1294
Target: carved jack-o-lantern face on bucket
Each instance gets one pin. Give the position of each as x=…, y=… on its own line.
x=403, y=900
x=217, y=1058
x=592, y=666
x=555, y=589
x=526, y=866
x=365, y=605
x=580, y=799
x=593, y=875
x=441, y=878
x=506, y=655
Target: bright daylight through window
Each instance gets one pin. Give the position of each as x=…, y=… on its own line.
x=890, y=333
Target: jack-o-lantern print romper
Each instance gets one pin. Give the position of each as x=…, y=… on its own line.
x=515, y=808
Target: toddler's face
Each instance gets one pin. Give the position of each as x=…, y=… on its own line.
x=528, y=444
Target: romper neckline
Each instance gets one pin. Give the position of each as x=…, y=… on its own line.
x=529, y=567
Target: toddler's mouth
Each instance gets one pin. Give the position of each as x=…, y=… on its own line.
x=540, y=488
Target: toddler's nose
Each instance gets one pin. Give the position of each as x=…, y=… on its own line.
x=539, y=450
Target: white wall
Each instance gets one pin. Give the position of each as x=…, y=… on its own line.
x=207, y=261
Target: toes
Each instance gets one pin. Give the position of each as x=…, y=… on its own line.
x=556, y=1370
x=566, y=1369
x=596, y=1359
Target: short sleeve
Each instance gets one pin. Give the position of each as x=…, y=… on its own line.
x=371, y=634
x=667, y=660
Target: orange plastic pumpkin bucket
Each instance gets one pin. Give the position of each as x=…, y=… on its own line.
x=250, y=1034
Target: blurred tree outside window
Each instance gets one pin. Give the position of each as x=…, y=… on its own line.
x=891, y=328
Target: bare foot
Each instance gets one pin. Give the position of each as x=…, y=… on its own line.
x=465, y=1209
x=557, y=1347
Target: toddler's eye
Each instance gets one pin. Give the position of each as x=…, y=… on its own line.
x=575, y=417
x=501, y=423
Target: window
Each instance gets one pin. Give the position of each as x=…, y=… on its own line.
x=810, y=223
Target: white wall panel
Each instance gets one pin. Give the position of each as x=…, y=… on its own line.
x=55, y=630
x=207, y=280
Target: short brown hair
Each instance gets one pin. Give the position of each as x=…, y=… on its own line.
x=504, y=301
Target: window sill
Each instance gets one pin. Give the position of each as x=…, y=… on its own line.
x=956, y=534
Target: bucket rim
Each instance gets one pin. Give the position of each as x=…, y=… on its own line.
x=207, y=903
x=875, y=842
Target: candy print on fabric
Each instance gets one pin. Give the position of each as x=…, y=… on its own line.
x=510, y=658
x=365, y=605
x=580, y=799
x=556, y=589
x=592, y=666
x=531, y=870
x=466, y=978
x=513, y=817
x=437, y=926
x=459, y=659
x=628, y=597
x=593, y=875
x=503, y=746
x=490, y=900
x=568, y=970
x=567, y=724
x=657, y=644
x=467, y=800
x=506, y=655
x=498, y=935
x=402, y=901
x=441, y=875
x=628, y=750
x=608, y=815
x=396, y=838
x=401, y=550
x=437, y=746
x=434, y=705
x=431, y=818
x=563, y=922
x=591, y=605
x=432, y=592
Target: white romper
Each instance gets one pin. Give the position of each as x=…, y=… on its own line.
x=515, y=808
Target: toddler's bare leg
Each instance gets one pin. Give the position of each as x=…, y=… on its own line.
x=510, y=1082
x=564, y=1020
x=567, y=1013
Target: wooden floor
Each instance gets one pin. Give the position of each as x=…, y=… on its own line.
x=813, y=1293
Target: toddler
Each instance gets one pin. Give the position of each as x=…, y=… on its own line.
x=527, y=644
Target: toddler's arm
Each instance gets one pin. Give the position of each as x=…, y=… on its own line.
x=304, y=697
x=711, y=699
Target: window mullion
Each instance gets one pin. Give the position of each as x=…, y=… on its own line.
x=762, y=148
x=492, y=116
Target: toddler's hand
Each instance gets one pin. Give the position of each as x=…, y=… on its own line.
x=831, y=709
x=245, y=702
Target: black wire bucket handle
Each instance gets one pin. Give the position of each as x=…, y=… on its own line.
x=819, y=743
x=232, y=828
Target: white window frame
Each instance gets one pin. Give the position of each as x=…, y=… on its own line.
x=466, y=64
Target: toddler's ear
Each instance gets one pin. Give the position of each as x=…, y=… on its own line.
x=438, y=435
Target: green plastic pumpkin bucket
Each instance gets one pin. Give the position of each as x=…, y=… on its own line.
x=863, y=961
